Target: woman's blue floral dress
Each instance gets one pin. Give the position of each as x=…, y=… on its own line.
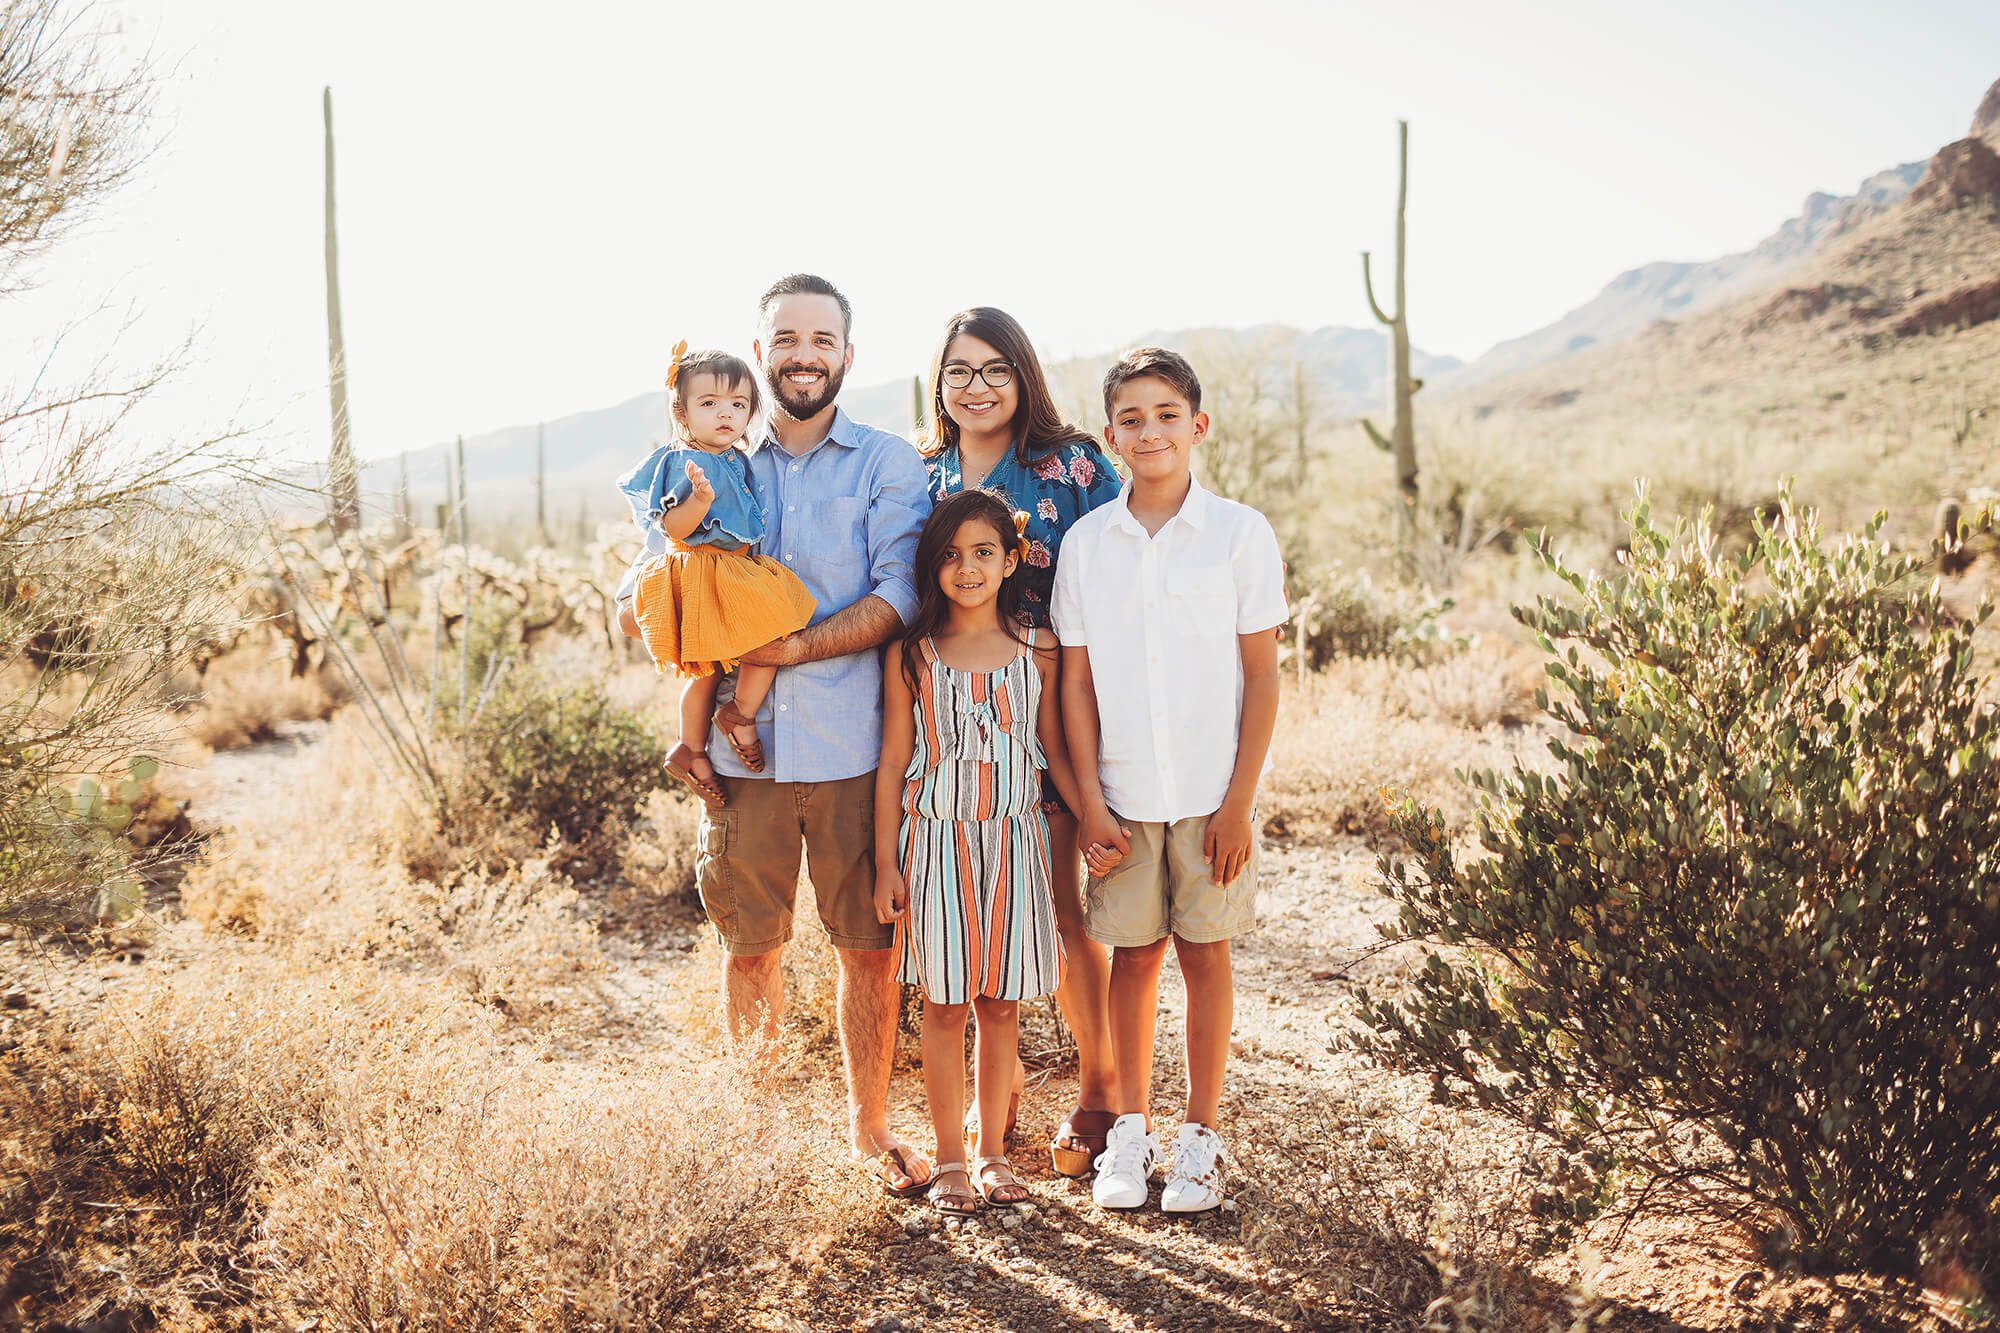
x=1055, y=490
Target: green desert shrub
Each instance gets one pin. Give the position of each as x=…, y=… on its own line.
x=1346, y=613
x=1742, y=937
x=556, y=753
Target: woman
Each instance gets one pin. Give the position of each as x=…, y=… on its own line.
x=995, y=425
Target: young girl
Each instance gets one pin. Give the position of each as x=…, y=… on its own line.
x=969, y=723
x=995, y=424
x=710, y=599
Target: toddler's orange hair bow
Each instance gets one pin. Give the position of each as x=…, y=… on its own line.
x=1021, y=531
x=674, y=362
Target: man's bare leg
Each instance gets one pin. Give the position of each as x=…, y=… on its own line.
x=1084, y=995
x=753, y=990
x=868, y=1048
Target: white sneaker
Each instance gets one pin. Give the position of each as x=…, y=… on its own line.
x=1126, y=1164
x=1194, y=1181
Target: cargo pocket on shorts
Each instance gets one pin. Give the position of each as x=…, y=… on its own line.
x=715, y=876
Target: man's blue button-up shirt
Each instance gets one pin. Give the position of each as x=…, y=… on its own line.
x=844, y=517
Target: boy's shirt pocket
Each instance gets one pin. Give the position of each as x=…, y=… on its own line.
x=1202, y=601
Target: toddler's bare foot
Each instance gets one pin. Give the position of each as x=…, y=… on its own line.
x=691, y=766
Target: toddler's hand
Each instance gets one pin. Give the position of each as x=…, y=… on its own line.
x=892, y=897
x=702, y=490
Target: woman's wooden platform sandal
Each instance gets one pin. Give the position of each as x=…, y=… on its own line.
x=994, y=1178
x=1087, y=1128
x=727, y=718
x=953, y=1202
x=971, y=1121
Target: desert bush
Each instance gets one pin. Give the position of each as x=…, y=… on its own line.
x=1741, y=941
x=554, y=753
x=1346, y=613
x=247, y=696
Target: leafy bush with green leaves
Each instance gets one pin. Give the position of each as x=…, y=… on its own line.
x=1744, y=939
x=557, y=753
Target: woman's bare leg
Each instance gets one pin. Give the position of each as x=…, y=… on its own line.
x=1084, y=996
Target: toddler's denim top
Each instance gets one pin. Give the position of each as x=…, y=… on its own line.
x=734, y=518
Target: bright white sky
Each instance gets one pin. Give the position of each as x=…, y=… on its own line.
x=537, y=200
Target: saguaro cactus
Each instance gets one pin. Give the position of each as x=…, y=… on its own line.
x=1402, y=440
x=541, y=484
x=342, y=482
x=917, y=406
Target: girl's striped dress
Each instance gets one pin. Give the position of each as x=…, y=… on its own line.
x=974, y=846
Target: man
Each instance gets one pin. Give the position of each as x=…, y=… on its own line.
x=843, y=503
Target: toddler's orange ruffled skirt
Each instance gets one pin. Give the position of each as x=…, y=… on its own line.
x=700, y=609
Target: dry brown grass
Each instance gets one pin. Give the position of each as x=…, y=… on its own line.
x=1364, y=728
x=352, y=1145
x=320, y=870
x=245, y=697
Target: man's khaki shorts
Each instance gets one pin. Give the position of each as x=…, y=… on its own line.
x=1164, y=886
x=747, y=864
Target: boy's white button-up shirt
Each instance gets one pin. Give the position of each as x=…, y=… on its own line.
x=1160, y=615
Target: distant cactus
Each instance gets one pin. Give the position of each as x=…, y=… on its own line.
x=1402, y=440
x=916, y=406
x=342, y=479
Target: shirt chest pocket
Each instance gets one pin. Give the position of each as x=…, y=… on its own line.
x=1202, y=602
x=836, y=537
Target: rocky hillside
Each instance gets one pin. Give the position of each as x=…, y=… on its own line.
x=1872, y=370
x=1672, y=290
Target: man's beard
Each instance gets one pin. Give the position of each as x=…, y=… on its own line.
x=802, y=405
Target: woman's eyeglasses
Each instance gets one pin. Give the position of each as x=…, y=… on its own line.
x=995, y=373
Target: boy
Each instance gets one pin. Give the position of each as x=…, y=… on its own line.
x=1165, y=604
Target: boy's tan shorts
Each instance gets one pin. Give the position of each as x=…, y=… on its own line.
x=747, y=864
x=1165, y=886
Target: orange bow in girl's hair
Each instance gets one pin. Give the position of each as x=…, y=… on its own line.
x=1021, y=532
x=674, y=363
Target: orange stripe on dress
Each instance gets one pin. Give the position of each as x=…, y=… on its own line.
x=968, y=898
x=1002, y=914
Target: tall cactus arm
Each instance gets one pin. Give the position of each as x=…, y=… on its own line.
x=1381, y=442
x=1368, y=285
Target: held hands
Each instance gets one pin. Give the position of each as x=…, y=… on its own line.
x=892, y=896
x=1102, y=840
x=1226, y=844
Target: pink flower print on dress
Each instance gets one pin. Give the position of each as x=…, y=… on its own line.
x=1048, y=468
x=1081, y=470
x=1047, y=509
x=1038, y=555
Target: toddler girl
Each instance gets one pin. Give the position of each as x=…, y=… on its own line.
x=961, y=846
x=710, y=598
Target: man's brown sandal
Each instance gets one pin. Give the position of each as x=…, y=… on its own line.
x=886, y=1165
x=994, y=1178
x=727, y=718
x=680, y=766
x=1087, y=1128
x=953, y=1202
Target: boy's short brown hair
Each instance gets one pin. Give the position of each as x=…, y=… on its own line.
x=1160, y=363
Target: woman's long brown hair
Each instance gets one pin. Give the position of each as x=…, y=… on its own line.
x=1038, y=425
